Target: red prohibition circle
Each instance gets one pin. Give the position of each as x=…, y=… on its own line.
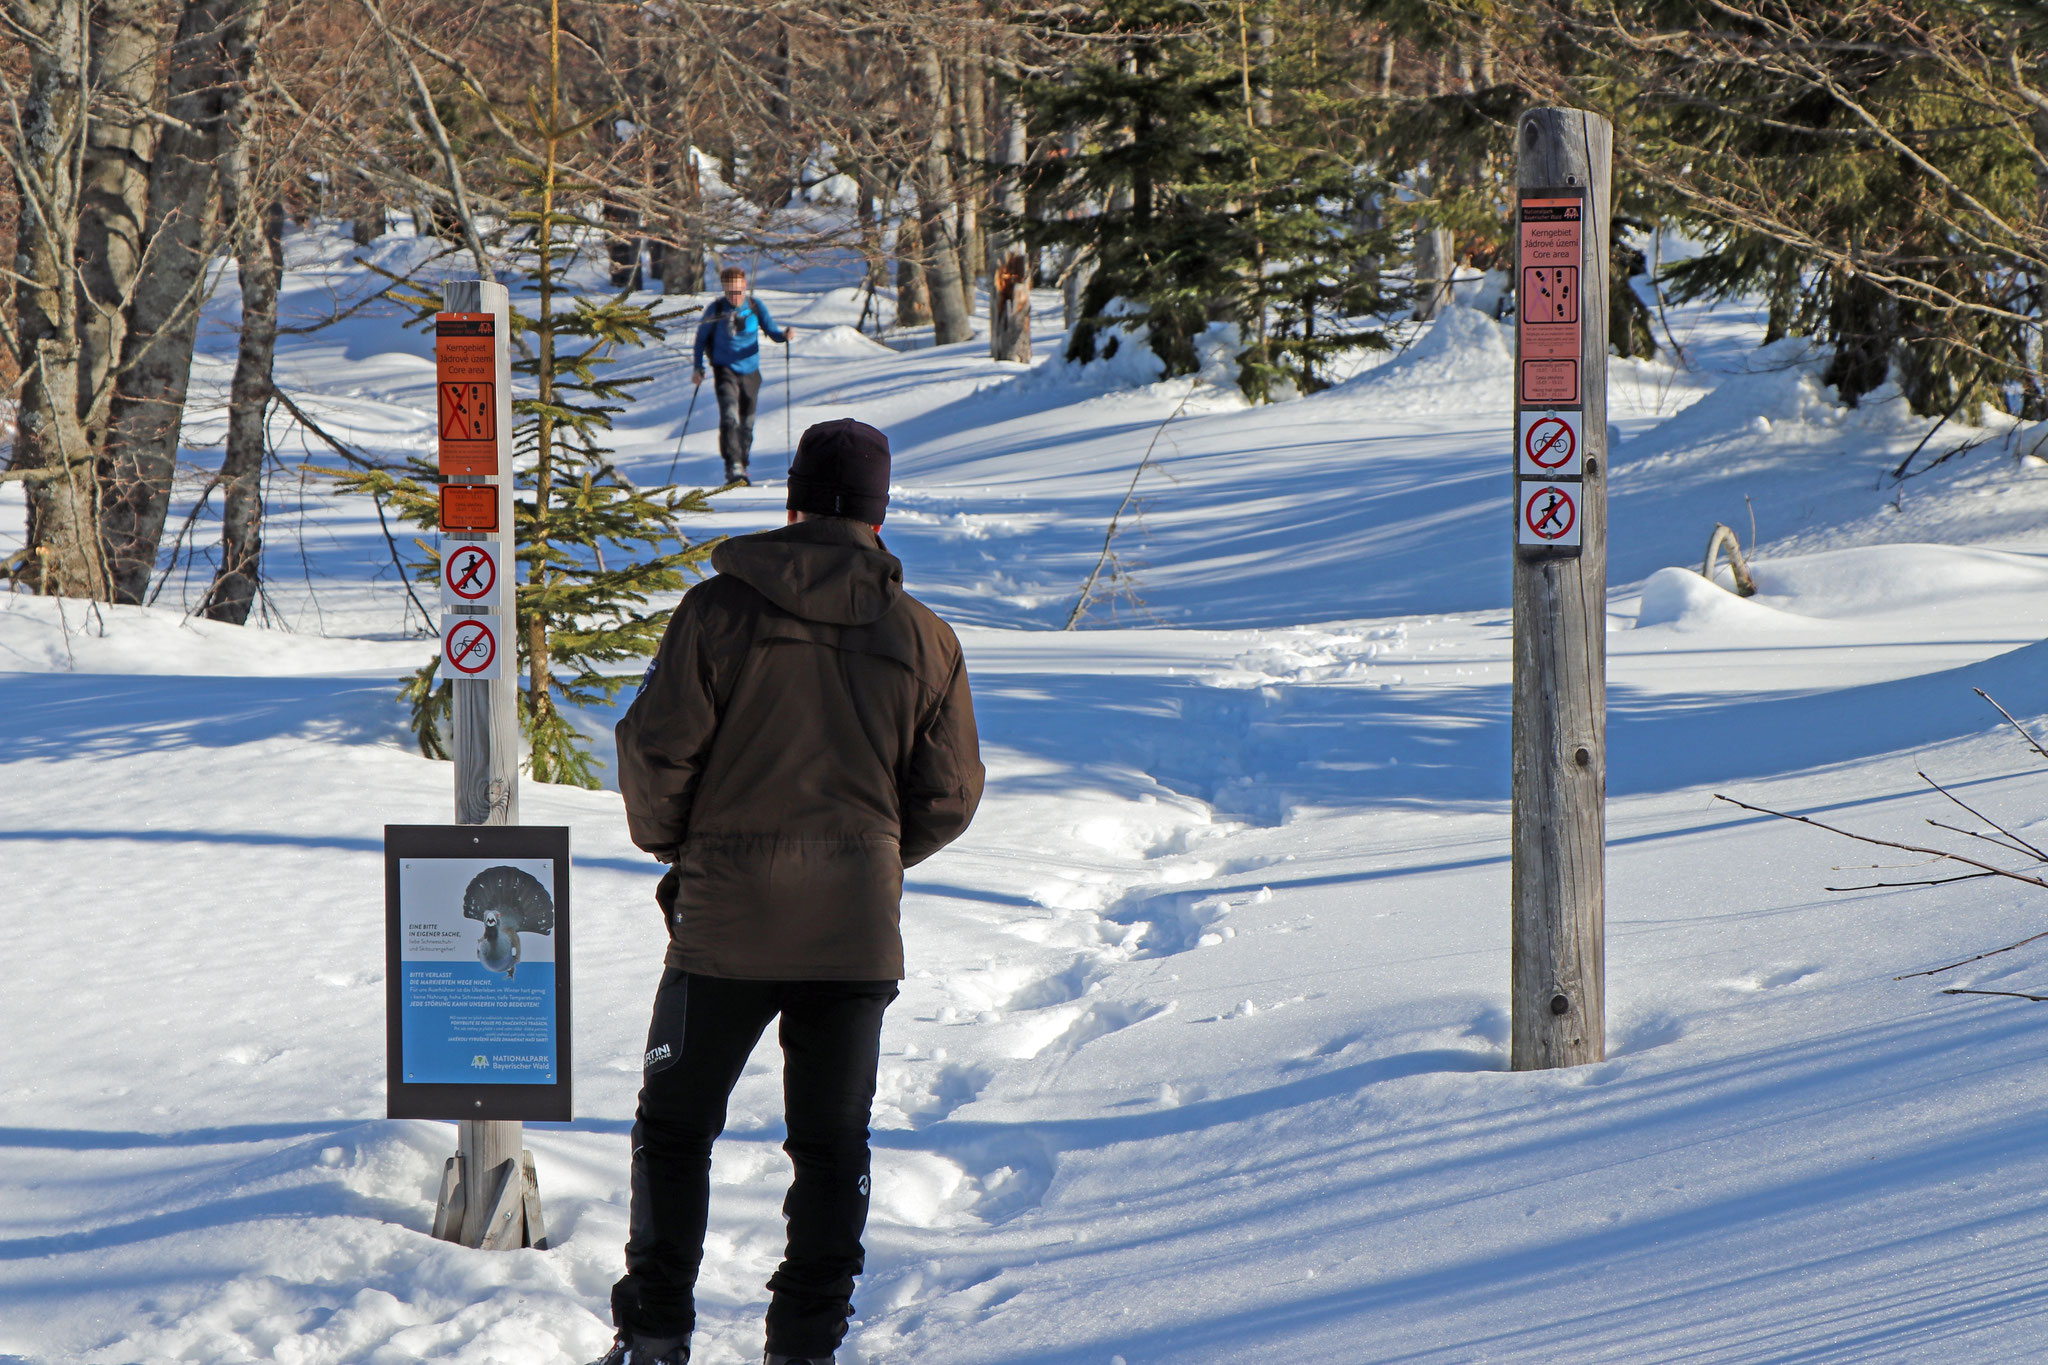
x=460, y=653
x=474, y=582
x=1558, y=514
x=1550, y=443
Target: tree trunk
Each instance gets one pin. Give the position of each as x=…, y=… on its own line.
x=1011, y=151
x=1433, y=268
x=913, y=299
x=208, y=86
x=1075, y=269
x=951, y=322
x=370, y=224
x=621, y=247
x=1009, y=332
x=239, y=577
x=119, y=141
x=681, y=263
x=62, y=553
x=1009, y=308
x=969, y=152
x=867, y=219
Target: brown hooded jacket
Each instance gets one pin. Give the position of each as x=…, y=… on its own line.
x=803, y=735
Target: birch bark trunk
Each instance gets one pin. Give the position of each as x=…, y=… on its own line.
x=120, y=139
x=239, y=577
x=969, y=153
x=951, y=322
x=51, y=446
x=209, y=70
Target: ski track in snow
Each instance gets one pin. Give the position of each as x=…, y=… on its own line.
x=1202, y=1056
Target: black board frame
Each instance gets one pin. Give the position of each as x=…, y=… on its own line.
x=482, y=1100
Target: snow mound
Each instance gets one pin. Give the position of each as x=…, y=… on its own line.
x=1682, y=600
x=1834, y=585
x=1873, y=579
x=1124, y=359
x=838, y=339
x=1462, y=348
x=55, y=635
x=1781, y=405
x=834, y=189
x=1771, y=408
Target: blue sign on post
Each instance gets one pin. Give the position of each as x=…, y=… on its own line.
x=477, y=971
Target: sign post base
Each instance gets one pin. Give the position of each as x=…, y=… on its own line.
x=506, y=1199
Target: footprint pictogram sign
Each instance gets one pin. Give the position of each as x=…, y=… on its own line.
x=469, y=412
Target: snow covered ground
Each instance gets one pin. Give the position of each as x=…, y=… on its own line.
x=1203, y=1054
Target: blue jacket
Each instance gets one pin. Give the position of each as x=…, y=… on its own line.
x=734, y=335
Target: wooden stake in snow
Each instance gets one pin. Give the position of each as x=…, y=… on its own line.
x=1560, y=590
x=488, y=1195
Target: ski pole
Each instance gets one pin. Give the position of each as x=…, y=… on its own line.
x=788, y=445
x=695, y=389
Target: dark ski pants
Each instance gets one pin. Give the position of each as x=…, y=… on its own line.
x=737, y=395
x=704, y=1028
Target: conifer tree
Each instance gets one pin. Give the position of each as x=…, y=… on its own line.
x=1875, y=170
x=1225, y=198
x=588, y=541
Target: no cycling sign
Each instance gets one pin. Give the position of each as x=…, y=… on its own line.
x=1548, y=447
x=469, y=648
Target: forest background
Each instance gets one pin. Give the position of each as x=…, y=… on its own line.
x=1286, y=175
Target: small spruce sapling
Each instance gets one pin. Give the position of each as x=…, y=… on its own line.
x=588, y=540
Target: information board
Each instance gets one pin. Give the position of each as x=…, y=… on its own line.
x=1551, y=242
x=466, y=388
x=470, y=508
x=477, y=971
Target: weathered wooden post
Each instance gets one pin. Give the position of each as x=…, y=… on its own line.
x=488, y=1196
x=1560, y=590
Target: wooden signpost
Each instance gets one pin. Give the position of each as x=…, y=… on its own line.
x=1560, y=590
x=488, y=1193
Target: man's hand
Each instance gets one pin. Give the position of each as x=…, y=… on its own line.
x=696, y=378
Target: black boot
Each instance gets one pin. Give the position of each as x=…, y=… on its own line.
x=775, y=1359
x=646, y=1351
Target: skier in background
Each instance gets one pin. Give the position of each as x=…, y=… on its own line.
x=731, y=330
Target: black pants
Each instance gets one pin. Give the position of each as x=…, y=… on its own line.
x=737, y=398
x=704, y=1027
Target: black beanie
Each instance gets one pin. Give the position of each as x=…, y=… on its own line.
x=841, y=469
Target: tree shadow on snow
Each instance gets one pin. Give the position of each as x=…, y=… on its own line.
x=1794, y=1265
x=1255, y=753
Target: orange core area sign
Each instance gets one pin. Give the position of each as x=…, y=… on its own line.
x=469, y=507
x=1552, y=237
x=466, y=366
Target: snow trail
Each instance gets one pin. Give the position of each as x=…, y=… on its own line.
x=1202, y=1054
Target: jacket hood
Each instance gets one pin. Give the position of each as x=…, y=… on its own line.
x=828, y=570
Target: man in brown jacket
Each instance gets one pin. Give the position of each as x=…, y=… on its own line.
x=803, y=735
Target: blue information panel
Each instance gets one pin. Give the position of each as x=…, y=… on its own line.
x=477, y=949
